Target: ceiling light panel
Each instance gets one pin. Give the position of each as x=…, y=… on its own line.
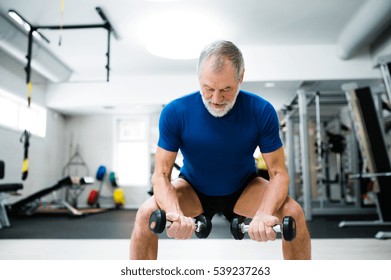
x=179, y=34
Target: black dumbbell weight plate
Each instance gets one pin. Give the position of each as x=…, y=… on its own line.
x=289, y=228
x=235, y=228
x=157, y=221
x=206, y=226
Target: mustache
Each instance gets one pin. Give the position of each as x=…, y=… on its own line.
x=209, y=100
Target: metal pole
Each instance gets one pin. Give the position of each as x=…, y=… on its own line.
x=319, y=162
x=385, y=70
x=29, y=55
x=355, y=169
x=74, y=26
x=291, y=156
x=305, y=159
x=108, y=54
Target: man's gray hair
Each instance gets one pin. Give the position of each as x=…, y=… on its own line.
x=221, y=50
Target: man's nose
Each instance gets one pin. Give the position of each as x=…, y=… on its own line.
x=217, y=97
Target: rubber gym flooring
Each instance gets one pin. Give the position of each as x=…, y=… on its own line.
x=117, y=224
x=105, y=236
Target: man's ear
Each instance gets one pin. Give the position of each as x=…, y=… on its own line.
x=241, y=77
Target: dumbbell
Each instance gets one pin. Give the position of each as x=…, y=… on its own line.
x=287, y=228
x=158, y=222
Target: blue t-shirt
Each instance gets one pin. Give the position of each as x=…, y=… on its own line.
x=218, y=152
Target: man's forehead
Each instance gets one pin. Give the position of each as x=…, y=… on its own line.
x=217, y=66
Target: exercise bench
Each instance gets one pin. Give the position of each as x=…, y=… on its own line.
x=7, y=187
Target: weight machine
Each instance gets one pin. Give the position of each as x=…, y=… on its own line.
x=30, y=204
x=308, y=146
x=370, y=132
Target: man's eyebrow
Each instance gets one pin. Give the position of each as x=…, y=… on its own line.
x=226, y=88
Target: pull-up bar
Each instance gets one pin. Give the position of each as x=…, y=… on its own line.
x=32, y=29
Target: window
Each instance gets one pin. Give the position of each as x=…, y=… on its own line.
x=132, y=151
x=15, y=114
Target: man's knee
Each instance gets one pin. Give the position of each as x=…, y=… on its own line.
x=291, y=208
x=145, y=210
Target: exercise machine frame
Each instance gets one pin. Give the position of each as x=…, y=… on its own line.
x=369, y=126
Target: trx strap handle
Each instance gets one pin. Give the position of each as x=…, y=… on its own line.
x=61, y=22
x=29, y=92
x=25, y=139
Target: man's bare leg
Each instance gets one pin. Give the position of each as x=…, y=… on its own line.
x=144, y=243
x=300, y=247
x=248, y=203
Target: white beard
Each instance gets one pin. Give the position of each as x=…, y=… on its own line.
x=218, y=113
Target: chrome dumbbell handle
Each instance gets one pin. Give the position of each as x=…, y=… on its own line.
x=244, y=228
x=198, y=225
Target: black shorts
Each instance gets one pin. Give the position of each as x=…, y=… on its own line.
x=220, y=204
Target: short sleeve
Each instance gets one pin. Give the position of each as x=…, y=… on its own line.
x=169, y=129
x=269, y=138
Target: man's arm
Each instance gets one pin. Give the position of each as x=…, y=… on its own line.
x=277, y=190
x=166, y=196
x=273, y=197
x=164, y=191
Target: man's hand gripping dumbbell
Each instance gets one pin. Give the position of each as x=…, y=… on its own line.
x=158, y=222
x=287, y=228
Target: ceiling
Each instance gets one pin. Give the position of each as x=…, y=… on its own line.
x=247, y=23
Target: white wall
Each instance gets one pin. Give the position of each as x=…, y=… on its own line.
x=95, y=136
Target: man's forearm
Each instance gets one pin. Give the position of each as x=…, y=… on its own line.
x=275, y=194
x=165, y=193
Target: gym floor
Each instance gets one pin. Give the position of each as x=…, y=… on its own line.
x=106, y=236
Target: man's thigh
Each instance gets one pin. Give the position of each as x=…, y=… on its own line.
x=188, y=199
x=250, y=199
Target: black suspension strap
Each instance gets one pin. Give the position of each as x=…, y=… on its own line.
x=25, y=139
